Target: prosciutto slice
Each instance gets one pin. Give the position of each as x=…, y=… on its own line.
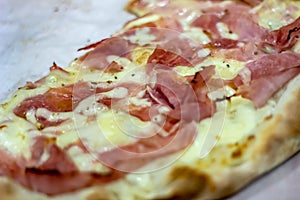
x=260, y=79
x=237, y=18
x=260, y=90
x=55, y=99
x=283, y=38
x=97, y=58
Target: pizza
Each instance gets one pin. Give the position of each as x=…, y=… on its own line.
x=189, y=100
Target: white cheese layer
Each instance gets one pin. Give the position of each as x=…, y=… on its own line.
x=15, y=135
x=142, y=20
x=274, y=14
x=142, y=36
x=225, y=68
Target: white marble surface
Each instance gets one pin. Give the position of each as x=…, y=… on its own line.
x=35, y=33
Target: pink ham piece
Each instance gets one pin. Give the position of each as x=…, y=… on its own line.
x=58, y=159
x=266, y=76
x=57, y=175
x=53, y=183
x=62, y=99
x=283, y=38
x=97, y=58
x=273, y=64
x=238, y=19
x=260, y=90
x=186, y=109
x=171, y=59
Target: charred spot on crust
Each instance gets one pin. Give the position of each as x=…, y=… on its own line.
x=268, y=117
x=188, y=182
x=240, y=148
x=237, y=153
x=251, y=137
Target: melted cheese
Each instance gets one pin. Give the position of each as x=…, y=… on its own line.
x=131, y=72
x=142, y=36
x=86, y=161
x=142, y=20
x=241, y=115
x=296, y=48
x=15, y=137
x=274, y=14
x=225, y=32
x=107, y=130
x=140, y=55
x=196, y=34
x=225, y=68
x=232, y=122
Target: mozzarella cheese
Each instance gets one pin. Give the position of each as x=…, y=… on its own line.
x=131, y=73
x=196, y=34
x=15, y=135
x=225, y=68
x=274, y=14
x=225, y=32
x=141, y=21
x=142, y=36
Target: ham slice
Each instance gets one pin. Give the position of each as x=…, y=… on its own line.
x=260, y=90
x=273, y=64
x=266, y=76
x=283, y=38
x=171, y=59
x=58, y=169
x=57, y=160
x=62, y=99
x=97, y=58
x=42, y=181
x=237, y=18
